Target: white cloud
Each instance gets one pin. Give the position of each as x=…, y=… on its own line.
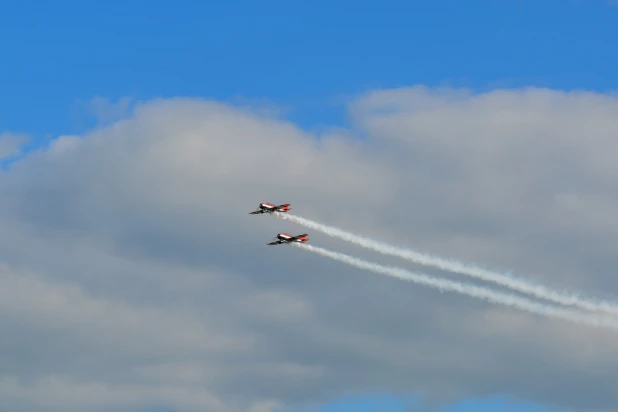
x=105, y=322
x=134, y=276
x=107, y=111
x=64, y=394
x=11, y=144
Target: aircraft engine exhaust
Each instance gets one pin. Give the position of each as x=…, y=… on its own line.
x=520, y=285
x=478, y=292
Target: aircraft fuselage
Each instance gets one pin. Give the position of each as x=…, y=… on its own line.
x=270, y=208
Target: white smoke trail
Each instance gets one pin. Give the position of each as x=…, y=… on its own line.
x=470, y=290
x=520, y=285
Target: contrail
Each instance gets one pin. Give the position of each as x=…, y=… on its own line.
x=470, y=290
x=523, y=286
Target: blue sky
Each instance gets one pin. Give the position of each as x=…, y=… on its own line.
x=308, y=57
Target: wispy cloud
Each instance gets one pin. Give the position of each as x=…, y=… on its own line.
x=11, y=144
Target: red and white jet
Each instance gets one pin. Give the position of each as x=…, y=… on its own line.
x=268, y=208
x=284, y=238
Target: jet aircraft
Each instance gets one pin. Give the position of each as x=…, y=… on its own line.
x=284, y=238
x=269, y=208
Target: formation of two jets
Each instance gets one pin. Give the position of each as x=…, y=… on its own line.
x=282, y=238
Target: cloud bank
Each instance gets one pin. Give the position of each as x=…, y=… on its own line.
x=132, y=276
